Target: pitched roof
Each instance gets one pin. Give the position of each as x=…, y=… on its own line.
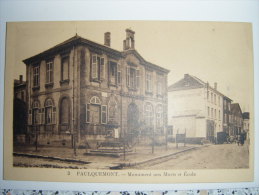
x=235, y=109
x=71, y=42
x=80, y=40
x=188, y=82
x=143, y=61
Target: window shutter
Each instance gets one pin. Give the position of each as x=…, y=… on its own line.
x=43, y=116
x=102, y=68
x=137, y=78
x=104, y=114
x=119, y=74
x=128, y=76
x=87, y=113
x=54, y=115
x=94, y=67
x=30, y=118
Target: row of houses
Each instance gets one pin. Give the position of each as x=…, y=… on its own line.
x=201, y=111
x=93, y=93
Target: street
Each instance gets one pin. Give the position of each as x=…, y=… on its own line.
x=225, y=156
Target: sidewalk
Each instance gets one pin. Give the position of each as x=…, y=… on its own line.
x=140, y=155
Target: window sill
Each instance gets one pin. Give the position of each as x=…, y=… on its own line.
x=96, y=80
x=49, y=85
x=132, y=89
x=159, y=95
x=35, y=88
x=149, y=93
x=64, y=82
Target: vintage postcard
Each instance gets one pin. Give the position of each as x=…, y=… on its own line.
x=129, y=101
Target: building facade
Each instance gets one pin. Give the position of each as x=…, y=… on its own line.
x=19, y=110
x=236, y=120
x=93, y=93
x=226, y=114
x=195, y=108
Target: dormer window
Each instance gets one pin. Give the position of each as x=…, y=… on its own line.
x=65, y=68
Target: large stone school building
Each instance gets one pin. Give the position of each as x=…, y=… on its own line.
x=89, y=91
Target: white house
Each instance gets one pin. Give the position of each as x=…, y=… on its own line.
x=196, y=108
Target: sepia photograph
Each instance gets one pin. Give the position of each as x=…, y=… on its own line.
x=127, y=101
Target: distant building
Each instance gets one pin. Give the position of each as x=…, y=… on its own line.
x=226, y=114
x=90, y=91
x=246, y=123
x=195, y=108
x=19, y=110
x=236, y=120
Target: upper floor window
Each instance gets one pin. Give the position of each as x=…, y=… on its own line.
x=36, y=76
x=219, y=100
x=132, y=77
x=49, y=71
x=149, y=82
x=97, y=68
x=159, y=85
x=215, y=100
x=65, y=68
x=113, y=73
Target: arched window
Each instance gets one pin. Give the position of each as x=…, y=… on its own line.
x=36, y=112
x=64, y=111
x=95, y=100
x=149, y=114
x=49, y=112
x=95, y=112
x=159, y=116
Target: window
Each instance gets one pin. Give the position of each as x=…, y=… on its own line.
x=208, y=95
x=35, y=113
x=215, y=114
x=219, y=100
x=149, y=83
x=159, y=85
x=225, y=118
x=208, y=111
x=112, y=73
x=211, y=97
x=159, y=116
x=219, y=114
x=215, y=100
x=49, y=112
x=104, y=114
x=65, y=68
x=149, y=114
x=95, y=112
x=36, y=76
x=49, y=71
x=113, y=112
x=211, y=112
x=64, y=114
x=97, y=68
x=132, y=78
x=118, y=74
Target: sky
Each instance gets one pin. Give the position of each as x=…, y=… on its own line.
x=212, y=51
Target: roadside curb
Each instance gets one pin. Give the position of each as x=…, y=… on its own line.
x=50, y=157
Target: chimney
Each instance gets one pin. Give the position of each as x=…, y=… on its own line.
x=215, y=85
x=107, y=39
x=129, y=43
x=21, y=78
